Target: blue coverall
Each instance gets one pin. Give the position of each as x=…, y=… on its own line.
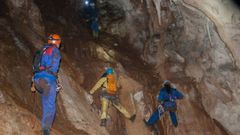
x=45, y=81
x=94, y=25
x=164, y=96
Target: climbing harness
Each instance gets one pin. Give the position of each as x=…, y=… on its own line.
x=160, y=110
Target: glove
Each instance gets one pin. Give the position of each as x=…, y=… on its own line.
x=59, y=87
x=91, y=92
x=33, y=88
x=89, y=98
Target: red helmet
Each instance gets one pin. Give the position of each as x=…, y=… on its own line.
x=54, y=39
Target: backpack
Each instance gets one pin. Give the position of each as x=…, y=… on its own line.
x=111, y=84
x=37, y=59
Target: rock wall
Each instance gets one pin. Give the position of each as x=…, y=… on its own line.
x=197, y=41
x=27, y=20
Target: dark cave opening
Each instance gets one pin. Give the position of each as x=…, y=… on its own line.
x=52, y=7
x=237, y=2
x=3, y=8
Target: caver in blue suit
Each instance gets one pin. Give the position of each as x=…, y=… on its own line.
x=45, y=82
x=167, y=97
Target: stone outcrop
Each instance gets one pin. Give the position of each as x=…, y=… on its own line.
x=198, y=41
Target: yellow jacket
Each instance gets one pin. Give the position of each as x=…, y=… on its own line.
x=102, y=82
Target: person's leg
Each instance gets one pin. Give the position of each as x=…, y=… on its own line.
x=173, y=117
x=44, y=111
x=94, y=34
x=97, y=34
x=38, y=86
x=122, y=109
x=154, y=117
x=104, y=111
x=48, y=104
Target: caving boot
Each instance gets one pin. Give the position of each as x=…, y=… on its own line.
x=103, y=122
x=133, y=117
x=46, y=132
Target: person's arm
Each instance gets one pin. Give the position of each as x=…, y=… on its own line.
x=177, y=94
x=98, y=85
x=55, y=61
x=162, y=96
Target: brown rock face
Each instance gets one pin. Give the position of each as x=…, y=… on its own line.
x=194, y=45
x=27, y=20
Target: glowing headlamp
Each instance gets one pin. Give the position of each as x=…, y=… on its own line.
x=86, y=2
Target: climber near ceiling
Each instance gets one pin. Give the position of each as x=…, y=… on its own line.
x=91, y=14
